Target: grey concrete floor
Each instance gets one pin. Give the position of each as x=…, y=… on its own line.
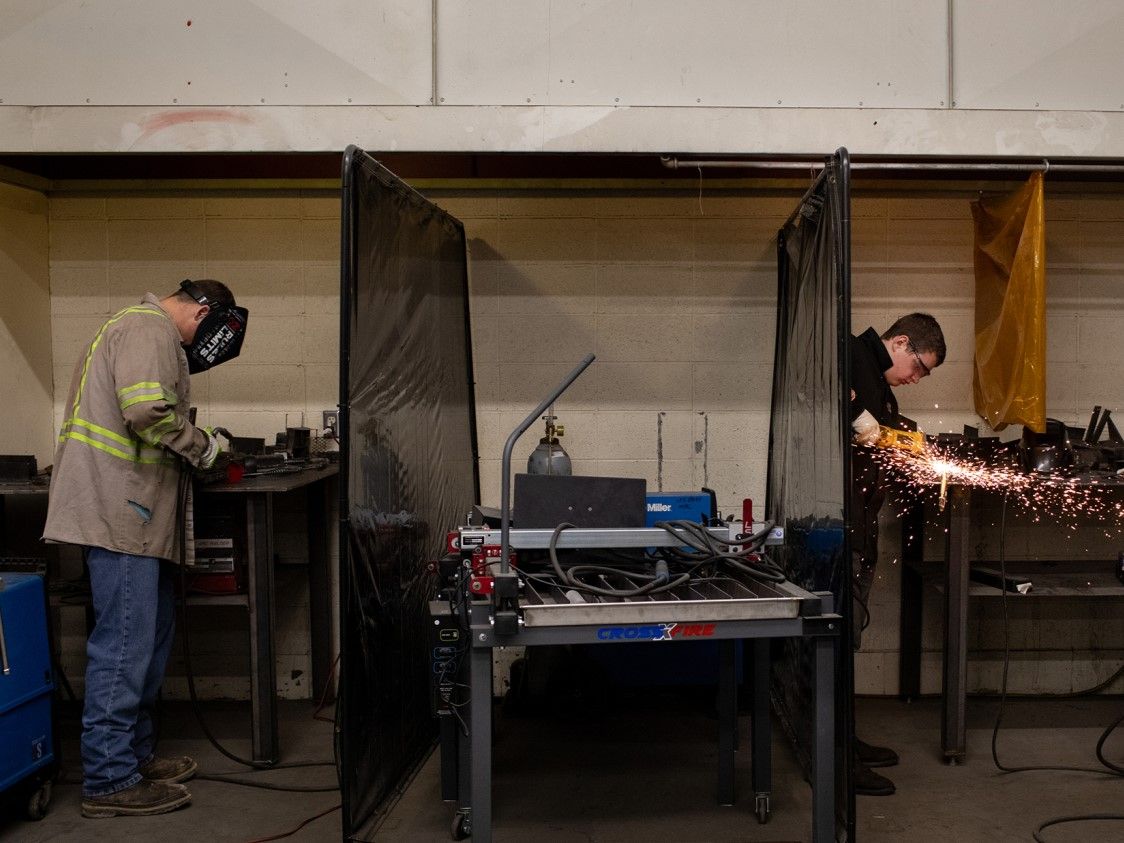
x=648, y=774
x=218, y=811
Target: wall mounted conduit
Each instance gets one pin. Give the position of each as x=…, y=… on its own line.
x=1091, y=168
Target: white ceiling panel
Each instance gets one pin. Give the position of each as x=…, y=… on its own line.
x=215, y=52
x=1039, y=54
x=802, y=53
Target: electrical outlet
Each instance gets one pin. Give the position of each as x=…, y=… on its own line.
x=331, y=421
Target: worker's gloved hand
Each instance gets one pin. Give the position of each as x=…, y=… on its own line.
x=865, y=428
x=213, y=449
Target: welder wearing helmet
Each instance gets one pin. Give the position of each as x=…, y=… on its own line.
x=908, y=351
x=115, y=491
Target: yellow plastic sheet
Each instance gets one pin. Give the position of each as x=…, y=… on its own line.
x=1010, y=261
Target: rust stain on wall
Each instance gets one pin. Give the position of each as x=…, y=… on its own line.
x=167, y=119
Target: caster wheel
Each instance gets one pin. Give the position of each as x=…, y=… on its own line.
x=461, y=827
x=39, y=802
x=762, y=809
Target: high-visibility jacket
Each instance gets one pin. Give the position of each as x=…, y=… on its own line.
x=124, y=438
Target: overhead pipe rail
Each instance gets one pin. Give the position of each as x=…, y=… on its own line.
x=872, y=164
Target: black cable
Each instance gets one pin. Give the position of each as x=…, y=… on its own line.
x=1074, y=819
x=293, y=831
x=1101, y=743
x=710, y=548
x=655, y=582
x=265, y=786
x=704, y=549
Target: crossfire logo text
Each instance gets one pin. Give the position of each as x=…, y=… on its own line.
x=656, y=632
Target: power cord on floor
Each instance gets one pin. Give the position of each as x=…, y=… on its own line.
x=293, y=831
x=1111, y=769
x=1075, y=819
x=228, y=779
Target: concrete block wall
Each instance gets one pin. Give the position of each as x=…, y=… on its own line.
x=278, y=252
x=675, y=293
x=677, y=301
x=25, y=324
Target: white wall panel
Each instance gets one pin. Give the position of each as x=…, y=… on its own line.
x=706, y=131
x=873, y=53
x=215, y=52
x=1039, y=54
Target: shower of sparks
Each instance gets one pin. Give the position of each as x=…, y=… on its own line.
x=1057, y=498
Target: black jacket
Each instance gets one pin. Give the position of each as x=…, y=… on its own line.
x=869, y=362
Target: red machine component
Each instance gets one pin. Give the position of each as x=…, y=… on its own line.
x=214, y=584
x=481, y=585
x=480, y=581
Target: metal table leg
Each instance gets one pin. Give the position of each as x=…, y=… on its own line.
x=912, y=599
x=727, y=720
x=761, y=736
x=823, y=759
x=263, y=666
x=480, y=744
x=957, y=568
x=319, y=589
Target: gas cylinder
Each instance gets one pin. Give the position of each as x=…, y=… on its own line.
x=549, y=457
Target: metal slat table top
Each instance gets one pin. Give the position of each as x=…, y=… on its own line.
x=720, y=598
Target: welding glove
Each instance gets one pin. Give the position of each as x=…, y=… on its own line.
x=214, y=448
x=866, y=428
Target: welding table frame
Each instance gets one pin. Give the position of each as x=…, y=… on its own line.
x=475, y=755
x=258, y=493
x=957, y=564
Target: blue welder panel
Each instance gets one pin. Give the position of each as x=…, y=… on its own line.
x=26, y=742
x=677, y=506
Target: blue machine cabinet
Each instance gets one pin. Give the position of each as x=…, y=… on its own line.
x=28, y=759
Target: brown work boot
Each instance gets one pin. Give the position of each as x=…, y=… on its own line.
x=141, y=800
x=169, y=770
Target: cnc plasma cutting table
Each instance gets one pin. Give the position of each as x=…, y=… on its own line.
x=494, y=608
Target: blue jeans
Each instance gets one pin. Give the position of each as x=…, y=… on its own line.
x=134, y=610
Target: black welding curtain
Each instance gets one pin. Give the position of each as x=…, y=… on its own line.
x=808, y=469
x=408, y=470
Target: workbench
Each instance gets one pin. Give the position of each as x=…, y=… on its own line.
x=957, y=587
x=255, y=495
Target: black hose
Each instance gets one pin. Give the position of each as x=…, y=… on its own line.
x=656, y=583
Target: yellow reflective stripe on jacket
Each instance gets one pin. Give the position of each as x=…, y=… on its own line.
x=117, y=452
x=74, y=421
x=140, y=308
x=144, y=391
x=142, y=397
x=136, y=453
x=153, y=432
x=121, y=393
